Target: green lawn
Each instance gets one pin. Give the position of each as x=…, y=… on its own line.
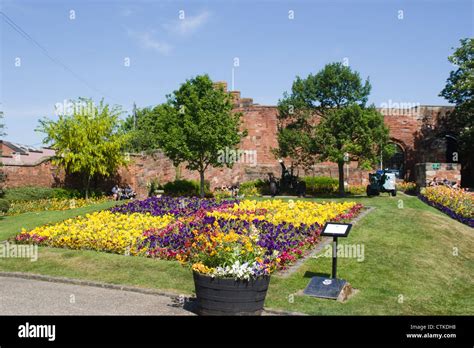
x=12, y=225
x=408, y=267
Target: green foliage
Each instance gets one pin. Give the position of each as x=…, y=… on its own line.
x=88, y=142
x=320, y=185
x=221, y=195
x=357, y=190
x=354, y=130
x=295, y=129
x=153, y=187
x=142, y=129
x=254, y=188
x=2, y=126
x=339, y=96
x=2, y=174
x=32, y=193
x=459, y=90
x=409, y=188
x=195, y=124
x=249, y=189
x=4, y=205
x=185, y=188
x=459, y=87
x=335, y=86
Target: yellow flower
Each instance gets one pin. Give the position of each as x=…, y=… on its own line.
x=105, y=231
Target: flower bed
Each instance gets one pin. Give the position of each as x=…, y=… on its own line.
x=457, y=203
x=20, y=207
x=181, y=206
x=407, y=187
x=245, y=238
x=283, y=229
x=101, y=231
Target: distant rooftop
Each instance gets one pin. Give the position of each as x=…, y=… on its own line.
x=24, y=155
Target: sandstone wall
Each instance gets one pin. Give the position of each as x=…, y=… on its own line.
x=426, y=172
x=261, y=124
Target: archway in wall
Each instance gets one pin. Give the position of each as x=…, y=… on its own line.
x=451, y=148
x=396, y=163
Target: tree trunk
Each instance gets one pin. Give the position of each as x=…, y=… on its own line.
x=340, y=166
x=88, y=184
x=177, y=172
x=201, y=173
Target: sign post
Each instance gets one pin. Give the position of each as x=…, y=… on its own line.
x=324, y=287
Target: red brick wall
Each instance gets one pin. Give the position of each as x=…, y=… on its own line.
x=426, y=172
x=6, y=151
x=261, y=124
x=44, y=174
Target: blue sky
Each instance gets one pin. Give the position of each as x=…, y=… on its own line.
x=406, y=59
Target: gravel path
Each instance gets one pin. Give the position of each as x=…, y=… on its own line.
x=35, y=297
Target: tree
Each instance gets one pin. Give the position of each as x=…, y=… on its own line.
x=357, y=131
x=333, y=94
x=2, y=125
x=196, y=124
x=335, y=86
x=88, y=141
x=459, y=90
x=2, y=174
x=142, y=129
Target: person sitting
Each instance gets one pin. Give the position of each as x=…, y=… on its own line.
x=116, y=192
x=128, y=192
x=434, y=182
x=448, y=183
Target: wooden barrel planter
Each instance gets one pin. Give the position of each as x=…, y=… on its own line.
x=219, y=296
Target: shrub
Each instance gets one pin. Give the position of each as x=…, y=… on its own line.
x=320, y=185
x=20, y=207
x=457, y=203
x=357, y=189
x=4, y=206
x=407, y=187
x=254, y=188
x=33, y=193
x=248, y=189
x=186, y=188
x=221, y=195
x=29, y=193
x=153, y=187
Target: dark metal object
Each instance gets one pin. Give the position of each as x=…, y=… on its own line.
x=334, y=257
x=324, y=287
x=329, y=287
x=376, y=184
x=288, y=183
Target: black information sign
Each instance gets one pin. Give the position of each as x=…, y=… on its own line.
x=329, y=287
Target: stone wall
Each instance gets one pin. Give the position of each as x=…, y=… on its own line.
x=426, y=172
x=261, y=124
x=42, y=174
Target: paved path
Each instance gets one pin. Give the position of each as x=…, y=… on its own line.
x=35, y=297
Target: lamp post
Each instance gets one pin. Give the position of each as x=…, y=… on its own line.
x=346, y=159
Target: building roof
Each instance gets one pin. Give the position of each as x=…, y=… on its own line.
x=25, y=155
